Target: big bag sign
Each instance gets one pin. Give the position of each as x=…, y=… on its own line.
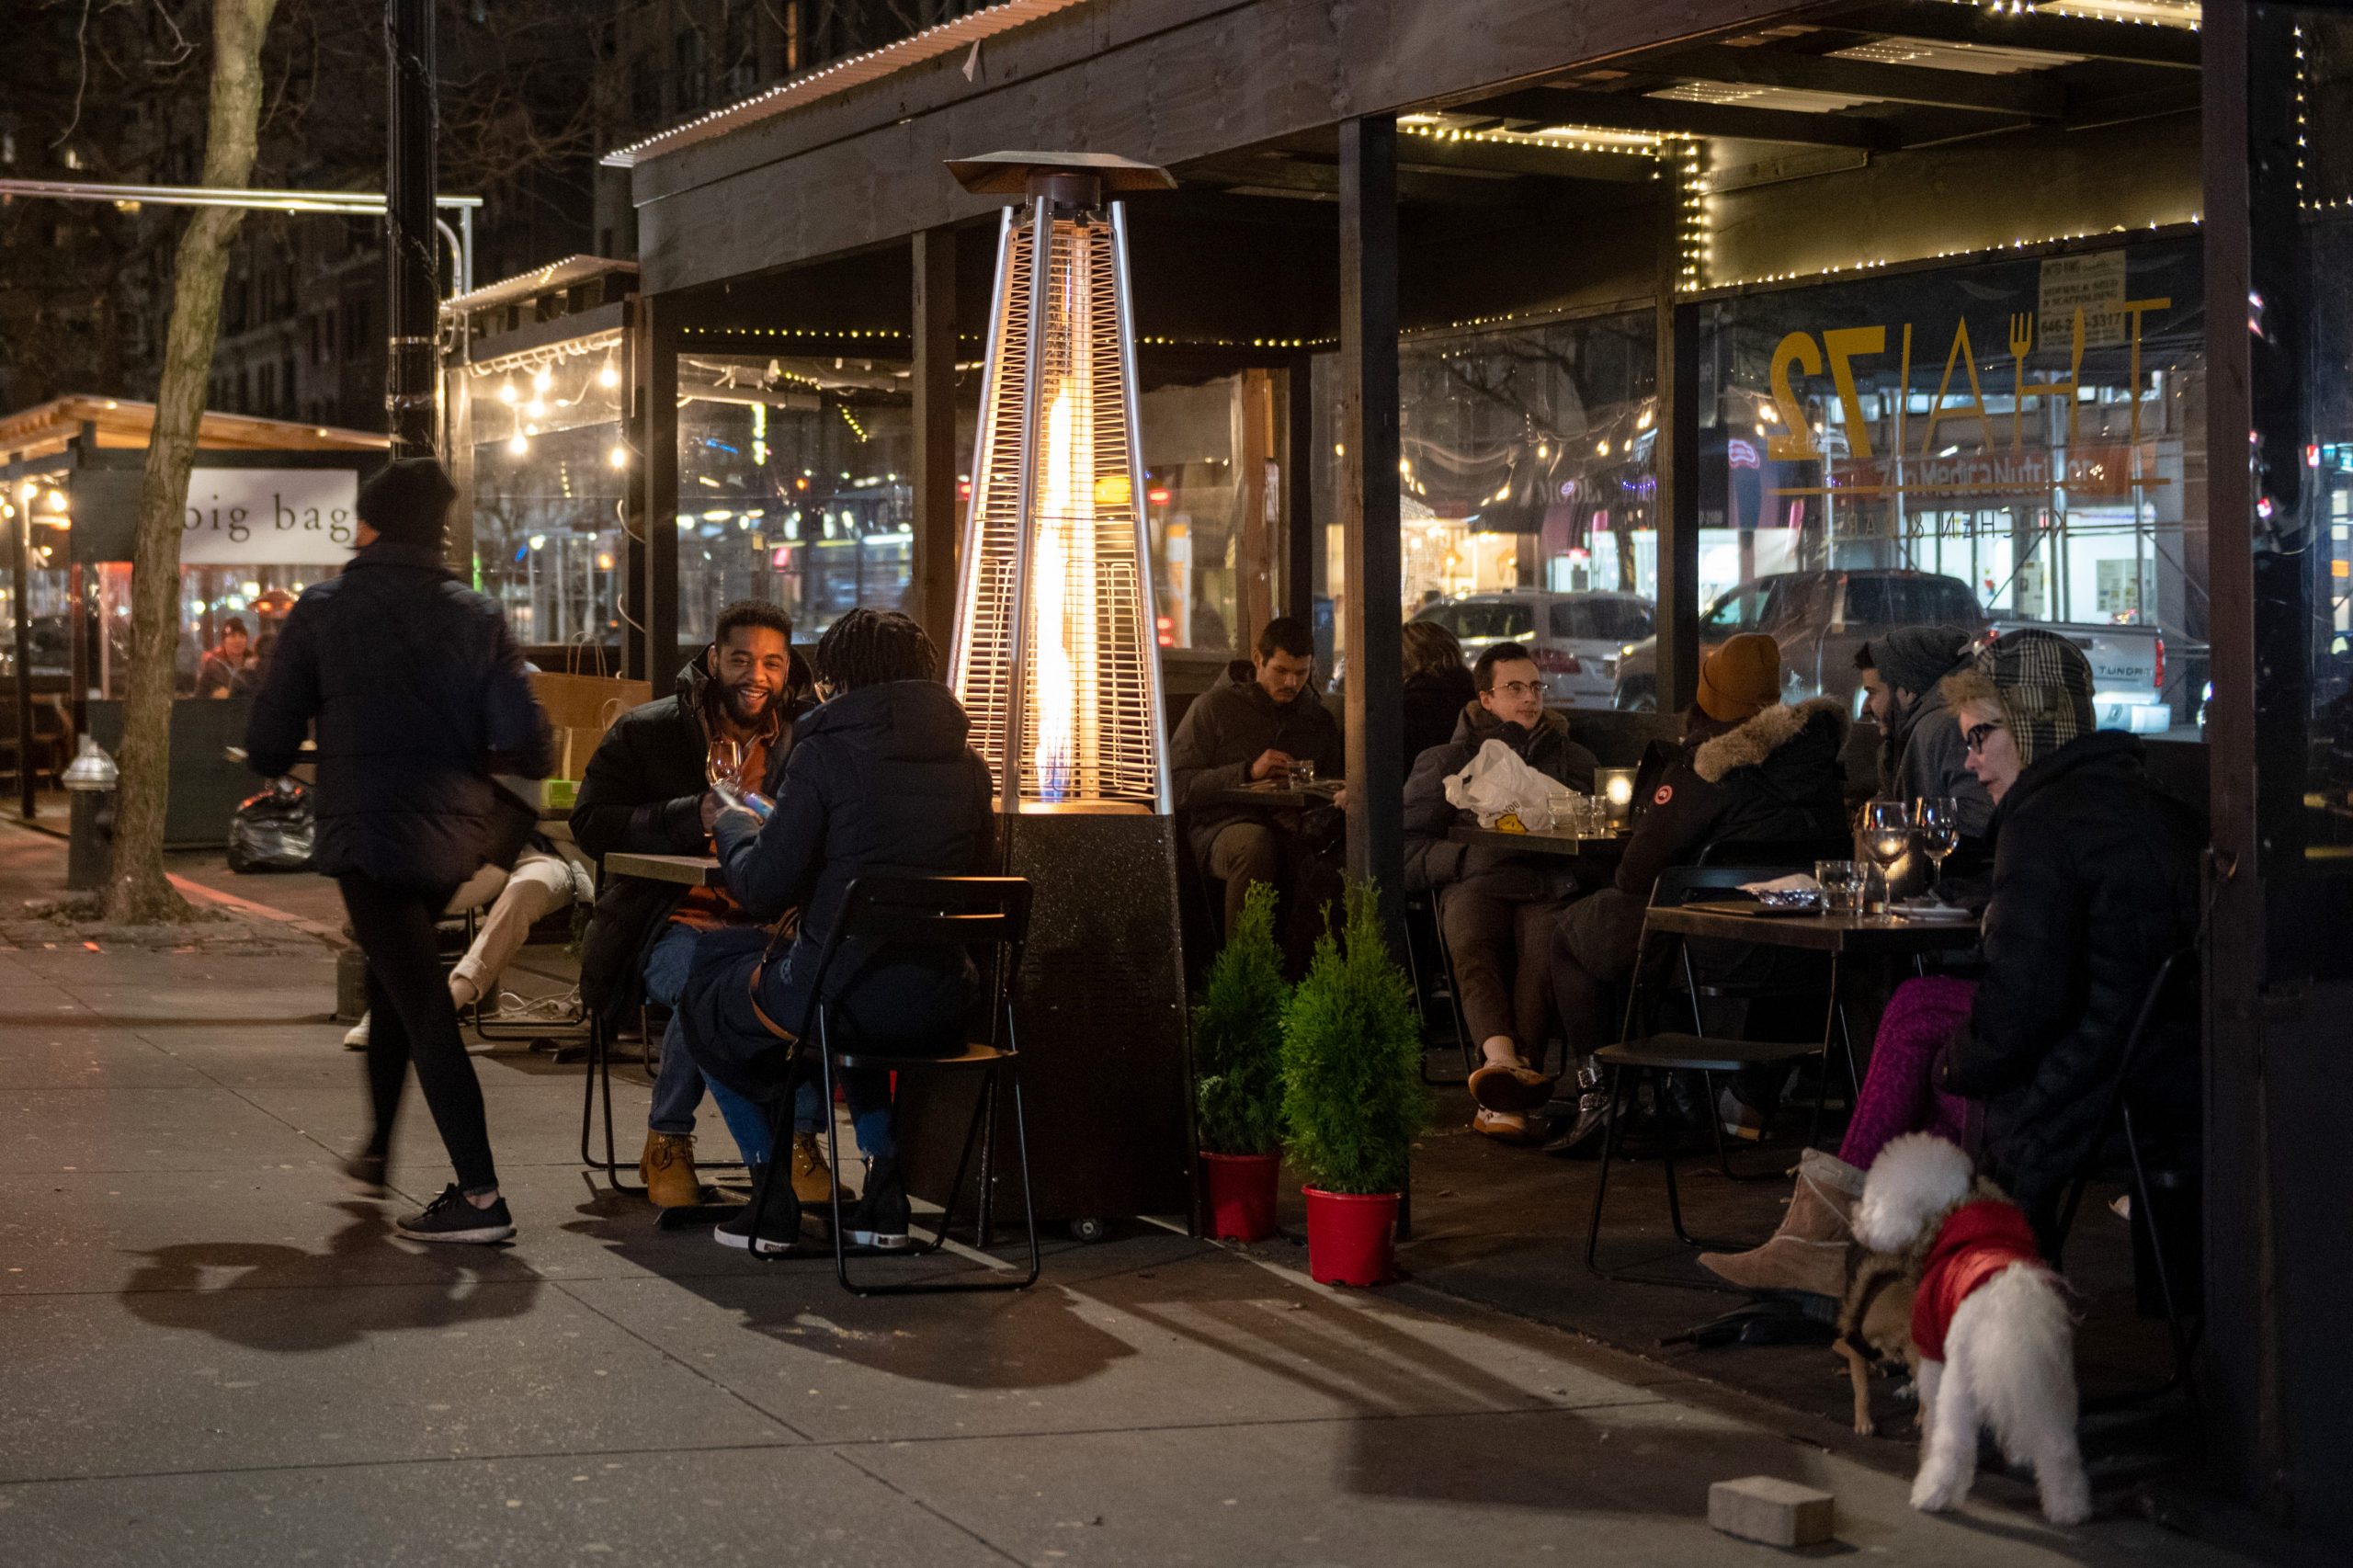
x=269, y=517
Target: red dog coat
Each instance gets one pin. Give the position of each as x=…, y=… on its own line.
x=1975, y=1242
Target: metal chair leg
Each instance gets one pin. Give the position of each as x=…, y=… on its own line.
x=1610, y=1135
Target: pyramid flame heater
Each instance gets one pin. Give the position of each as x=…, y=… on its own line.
x=1054, y=659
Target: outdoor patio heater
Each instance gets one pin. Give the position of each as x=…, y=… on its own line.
x=1055, y=661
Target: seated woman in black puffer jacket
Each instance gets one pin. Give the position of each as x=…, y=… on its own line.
x=880, y=780
x=2095, y=884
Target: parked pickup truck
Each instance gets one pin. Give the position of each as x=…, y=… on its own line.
x=2128, y=671
x=1820, y=618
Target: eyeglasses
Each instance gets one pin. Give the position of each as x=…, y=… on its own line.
x=1520, y=689
x=1975, y=736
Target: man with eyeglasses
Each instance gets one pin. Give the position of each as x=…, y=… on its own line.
x=1495, y=909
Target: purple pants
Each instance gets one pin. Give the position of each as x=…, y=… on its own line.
x=1898, y=1093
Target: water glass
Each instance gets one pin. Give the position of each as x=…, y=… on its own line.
x=1842, y=884
x=1303, y=773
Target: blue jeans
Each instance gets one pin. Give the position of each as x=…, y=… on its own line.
x=678, y=1087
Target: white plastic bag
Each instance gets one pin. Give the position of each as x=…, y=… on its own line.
x=1496, y=784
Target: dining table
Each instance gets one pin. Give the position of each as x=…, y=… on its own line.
x=1898, y=934
x=1575, y=845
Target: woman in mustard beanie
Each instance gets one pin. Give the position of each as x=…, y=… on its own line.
x=1749, y=770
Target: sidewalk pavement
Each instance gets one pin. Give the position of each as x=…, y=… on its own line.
x=216, y=1355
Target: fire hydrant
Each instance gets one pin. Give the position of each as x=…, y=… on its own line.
x=91, y=777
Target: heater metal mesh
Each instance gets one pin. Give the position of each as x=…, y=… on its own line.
x=1054, y=562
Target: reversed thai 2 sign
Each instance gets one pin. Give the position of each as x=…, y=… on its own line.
x=269, y=517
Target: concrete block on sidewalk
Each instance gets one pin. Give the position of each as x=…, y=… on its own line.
x=1779, y=1513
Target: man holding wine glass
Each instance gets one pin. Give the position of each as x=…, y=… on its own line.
x=653, y=786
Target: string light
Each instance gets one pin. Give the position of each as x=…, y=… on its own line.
x=610, y=376
x=518, y=443
x=617, y=456
x=507, y=393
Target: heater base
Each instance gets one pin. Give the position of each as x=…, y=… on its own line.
x=1099, y=1013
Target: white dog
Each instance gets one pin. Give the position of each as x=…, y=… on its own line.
x=1993, y=1340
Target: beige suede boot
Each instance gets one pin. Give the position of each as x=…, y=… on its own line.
x=1809, y=1252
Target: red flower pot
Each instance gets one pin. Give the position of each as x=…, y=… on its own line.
x=1241, y=1195
x=1351, y=1237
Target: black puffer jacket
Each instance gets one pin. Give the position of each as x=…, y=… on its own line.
x=880, y=780
x=1431, y=860
x=1433, y=700
x=2095, y=882
x=1775, y=778
x=643, y=793
x=1223, y=733
x=420, y=696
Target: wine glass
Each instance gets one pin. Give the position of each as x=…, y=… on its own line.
x=1939, y=819
x=1887, y=833
x=723, y=765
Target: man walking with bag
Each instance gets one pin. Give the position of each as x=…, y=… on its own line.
x=419, y=695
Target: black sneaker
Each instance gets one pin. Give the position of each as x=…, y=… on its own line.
x=453, y=1217
x=779, y=1225
x=879, y=1218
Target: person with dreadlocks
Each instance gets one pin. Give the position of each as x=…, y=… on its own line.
x=2095, y=884
x=881, y=780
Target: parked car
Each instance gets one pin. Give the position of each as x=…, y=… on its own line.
x=2128, y=671
x=1819, y=619
x=1576, y=638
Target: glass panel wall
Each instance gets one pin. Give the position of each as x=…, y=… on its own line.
x=1194, y=506
x=551, y=476
x=2025, y=436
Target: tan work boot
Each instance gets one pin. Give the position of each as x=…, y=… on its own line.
x=1809, y=1252
x=667, y=1168
x=812, y=1179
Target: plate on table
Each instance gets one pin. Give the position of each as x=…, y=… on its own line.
x=1753, y=911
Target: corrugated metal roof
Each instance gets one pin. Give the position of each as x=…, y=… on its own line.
x=854, y=70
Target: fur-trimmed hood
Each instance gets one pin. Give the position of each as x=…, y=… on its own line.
x=1758, y=738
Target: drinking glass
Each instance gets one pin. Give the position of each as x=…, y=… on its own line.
x=1842, y=886
x=1887, y=833
x=724, y=763
x=1939, y=819
x=1303, y=773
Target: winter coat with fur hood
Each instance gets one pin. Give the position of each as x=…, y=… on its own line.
x=2095, y=882
x=1774, y=778
x=1432, y=859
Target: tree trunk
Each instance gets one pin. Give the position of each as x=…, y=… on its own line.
x=139, y=893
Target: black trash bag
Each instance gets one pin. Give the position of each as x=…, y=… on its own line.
x=274, y=830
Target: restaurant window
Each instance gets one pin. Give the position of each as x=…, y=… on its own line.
x=547, y=491
x=1198, y=510
x=2026, y=436
x=256, y=596
x=796, y=485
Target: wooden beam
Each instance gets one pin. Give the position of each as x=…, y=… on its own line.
x=2022, y=94
x=654, y=550
x=1621, y=111
x=936, y=518
x=2167, y=48
x=1674, y=459
x=1300, y=527
x=1369, y=507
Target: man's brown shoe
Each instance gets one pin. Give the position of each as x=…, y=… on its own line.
x=667, y=1168
x=812, y=1179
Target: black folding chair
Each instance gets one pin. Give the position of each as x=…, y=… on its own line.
x=1635, y=1060
x=2175, y=977
x=972, y=914
x=1431, y=964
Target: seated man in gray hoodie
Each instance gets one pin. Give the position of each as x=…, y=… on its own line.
x=1920, y=749
x=1259, y=721
x=1496, y=910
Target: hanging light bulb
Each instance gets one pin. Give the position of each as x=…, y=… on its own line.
x=507, y=393
x=518, y=443
x=618, y=456
x=55, y=500
x=610, y=376
x=542, y=381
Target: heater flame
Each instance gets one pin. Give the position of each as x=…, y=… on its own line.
x=1056, y=672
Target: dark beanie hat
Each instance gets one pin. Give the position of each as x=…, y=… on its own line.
x=407, y=501
x=1916, y=658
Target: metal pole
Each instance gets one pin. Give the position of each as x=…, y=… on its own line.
x=411, y=246
x=24, y=532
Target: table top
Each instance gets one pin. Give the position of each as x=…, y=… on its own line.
x=1539, y=843
x=689, y=870
x=1269, y=798
x=1820, y=933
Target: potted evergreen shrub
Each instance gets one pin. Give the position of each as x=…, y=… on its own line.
x=1237, y=1047
x=1352, y=1095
